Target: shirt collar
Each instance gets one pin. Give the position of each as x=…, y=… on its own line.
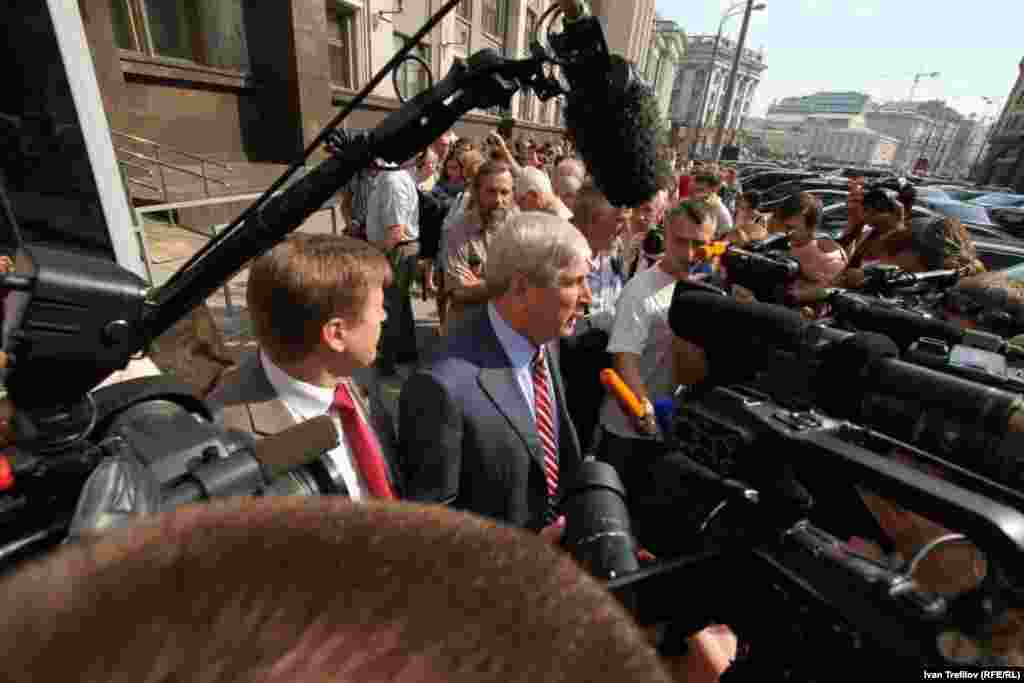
x=305, y=399
x=519, y=349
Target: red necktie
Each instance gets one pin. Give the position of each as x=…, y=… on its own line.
x=363, y=445
x=545, y=422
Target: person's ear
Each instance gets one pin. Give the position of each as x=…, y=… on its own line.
x=334, y=335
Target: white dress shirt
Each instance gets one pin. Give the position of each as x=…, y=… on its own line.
x=306, y=401
x=521, y=353
x=605, y=287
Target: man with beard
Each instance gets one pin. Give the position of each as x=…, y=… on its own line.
x=465, y=256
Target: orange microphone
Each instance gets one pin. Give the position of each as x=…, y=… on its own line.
x=710, y=251
x=628, y=401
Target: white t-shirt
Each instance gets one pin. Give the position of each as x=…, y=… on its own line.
x=605, y=289
x=641, y=327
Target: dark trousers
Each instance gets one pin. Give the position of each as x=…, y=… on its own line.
x=582, y=359
x=398, y=334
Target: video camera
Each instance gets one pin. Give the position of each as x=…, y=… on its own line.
x=765, y=466
x=767, y=273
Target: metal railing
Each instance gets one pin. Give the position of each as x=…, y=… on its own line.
x=155, y=161
x=139, y=213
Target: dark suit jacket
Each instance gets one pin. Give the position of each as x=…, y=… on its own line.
x=245, y=400
x=466, y=435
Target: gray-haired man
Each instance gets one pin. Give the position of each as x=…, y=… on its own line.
x=484, y=426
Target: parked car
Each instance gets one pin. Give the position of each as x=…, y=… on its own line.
x=784, y=189
x=834, y=221
x=931, y=193
x=1000, y=254
x=1000, y=200
x=1006, y=209
x=971, y=214
x=826, y=197
x=768, y=179
x=1011, y=220
x=961, y=194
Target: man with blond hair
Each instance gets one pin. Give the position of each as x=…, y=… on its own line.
x=317, y=305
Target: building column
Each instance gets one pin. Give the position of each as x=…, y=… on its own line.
x=312, y=66
x=106, y=58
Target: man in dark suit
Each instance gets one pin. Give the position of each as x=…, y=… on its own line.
x=316, y=305
x=484, y=426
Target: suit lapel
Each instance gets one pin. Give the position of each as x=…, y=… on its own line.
x=267, y=413
x=500, y=384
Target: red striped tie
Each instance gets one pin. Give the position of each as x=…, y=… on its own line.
x=545, y=421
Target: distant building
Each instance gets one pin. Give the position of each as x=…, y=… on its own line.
x=664, y=60
x=1004, y=160
x=926, y=130
x=700, y=88
x=858, y=146
x=832, y=109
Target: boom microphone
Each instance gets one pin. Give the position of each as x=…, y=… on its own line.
x=611, y=114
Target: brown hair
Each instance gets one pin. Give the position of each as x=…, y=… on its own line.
x=697, y=211
x=305, y=281
x=490, y=168
x=471, y=161
x=304, y=589
x=799, y=204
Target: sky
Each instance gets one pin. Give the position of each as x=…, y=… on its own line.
x=874, y=46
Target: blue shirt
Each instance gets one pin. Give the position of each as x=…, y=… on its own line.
x=521, y=352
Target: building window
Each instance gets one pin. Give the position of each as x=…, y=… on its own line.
x=412, y=77
x=465, y=9
x=342, y=46
x=495, y=17
x=208, y=32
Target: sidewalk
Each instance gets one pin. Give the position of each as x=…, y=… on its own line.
x=171, y=246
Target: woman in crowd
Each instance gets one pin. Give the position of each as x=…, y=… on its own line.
x=822, y=260
x=426, y=167
x=750, y=224
x=469, y=162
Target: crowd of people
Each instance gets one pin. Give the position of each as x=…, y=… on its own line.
x=540, y=283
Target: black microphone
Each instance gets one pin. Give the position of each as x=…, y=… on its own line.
x=902, y=326
x=611, y=114
x=738, y=339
